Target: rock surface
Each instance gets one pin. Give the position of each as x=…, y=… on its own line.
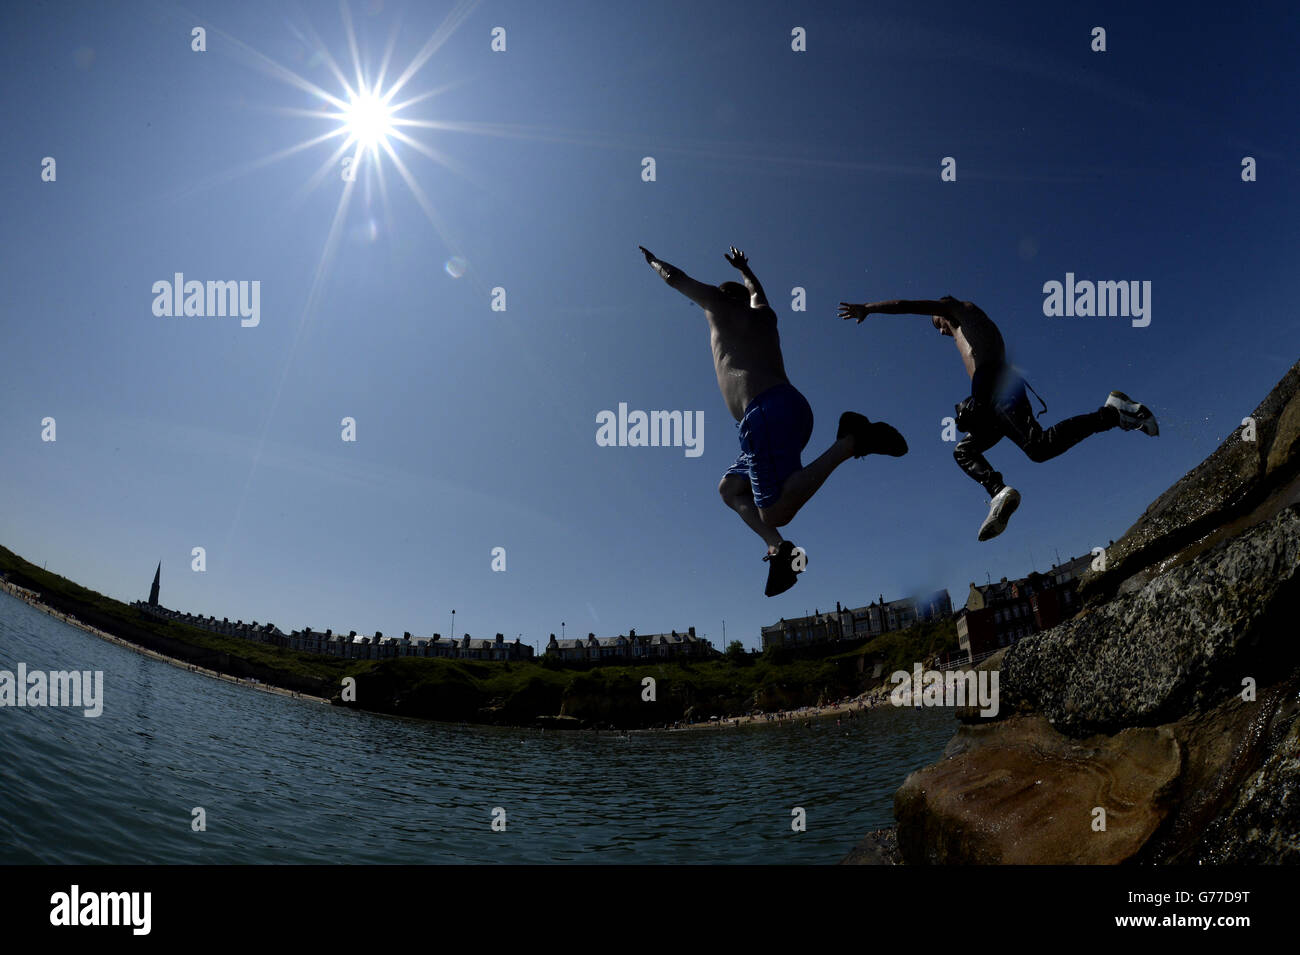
x=1185, y=640
x=1172, y=702
x=1019, y=792
x=877, y=848
x=1236, y=478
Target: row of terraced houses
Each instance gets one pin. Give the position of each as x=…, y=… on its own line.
x=857, y=623
x=631, y=648
x=995, y=615
x=1000, y=613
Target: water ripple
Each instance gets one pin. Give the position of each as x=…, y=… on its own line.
x=286, y=780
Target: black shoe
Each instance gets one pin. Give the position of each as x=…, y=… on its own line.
x=781, y=575
x=871, y=437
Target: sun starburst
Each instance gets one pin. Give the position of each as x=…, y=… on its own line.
x=368, y=120
x=367, y=125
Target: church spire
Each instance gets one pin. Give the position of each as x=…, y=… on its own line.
x=153, y=591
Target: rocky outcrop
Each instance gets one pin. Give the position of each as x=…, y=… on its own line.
x=1162, y=724
x=878, y=848
x=1214, y=500
x=1262, y=825
x=1183, y=642
x=1020, y=793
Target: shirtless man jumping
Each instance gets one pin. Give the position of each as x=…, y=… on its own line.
x=998, y=406
x=768, y=484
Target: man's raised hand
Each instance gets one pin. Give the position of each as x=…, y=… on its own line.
x=849, y=310
x=737, y=259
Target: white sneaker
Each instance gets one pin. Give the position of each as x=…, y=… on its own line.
x=1004, y=504
x=1132, y=414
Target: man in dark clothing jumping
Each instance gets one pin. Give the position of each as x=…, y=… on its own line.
x=998, y=406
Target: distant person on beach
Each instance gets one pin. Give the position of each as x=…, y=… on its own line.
x=998, y=406
x=768, y=484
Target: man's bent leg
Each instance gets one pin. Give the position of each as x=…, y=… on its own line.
x=1021, y=427
x=1004, y=499
x=739, y=496
x=969, y=455
x=800, y=486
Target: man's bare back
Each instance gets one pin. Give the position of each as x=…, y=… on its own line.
x=977, y=339
x=742, y=332
x=746, y=352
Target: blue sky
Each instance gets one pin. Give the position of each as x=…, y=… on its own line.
x=476, y=428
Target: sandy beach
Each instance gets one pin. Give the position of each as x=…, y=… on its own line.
x=873, y=698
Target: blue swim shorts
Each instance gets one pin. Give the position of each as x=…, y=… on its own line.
x=774, y=430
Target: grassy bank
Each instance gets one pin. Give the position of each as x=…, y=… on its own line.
x=510, y=693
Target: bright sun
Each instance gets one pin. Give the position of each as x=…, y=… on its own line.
x=368, y=120
x=370, y=123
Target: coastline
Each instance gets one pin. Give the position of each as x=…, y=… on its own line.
x=860, y=704
x=27, y=597
x=870, y=700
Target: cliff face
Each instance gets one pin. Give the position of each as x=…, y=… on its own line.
x=1162, y=724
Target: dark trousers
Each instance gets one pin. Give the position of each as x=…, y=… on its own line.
x=1003, y=411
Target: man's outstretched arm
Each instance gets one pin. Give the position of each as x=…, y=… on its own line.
x=756, y=297
x=702, y=295
x=901, y=306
